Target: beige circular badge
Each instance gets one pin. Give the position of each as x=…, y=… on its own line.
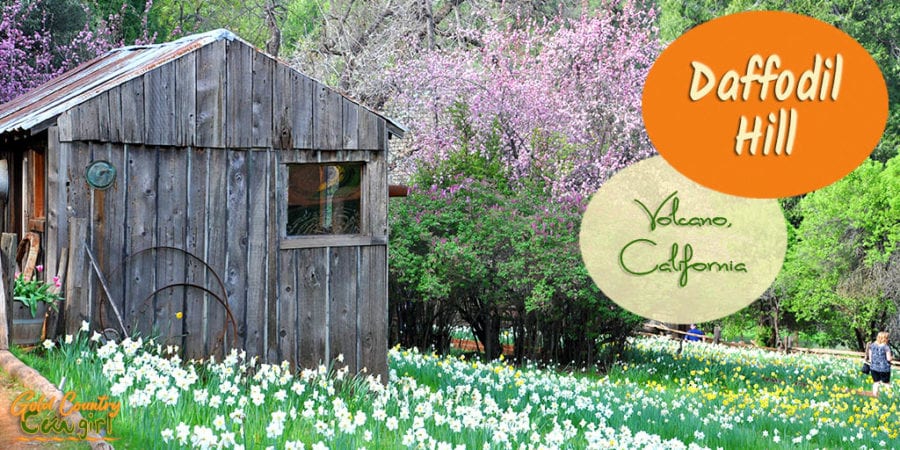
x=666, y=248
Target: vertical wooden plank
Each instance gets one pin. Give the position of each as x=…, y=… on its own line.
x=103, y=116
x=320, y=116
x=383, y=137
x=238, y=110
x=5, y=299
x=373, y=311
x=216, y=238
x=377, y=195
x=304, y=94
x=140, y=233
x=111, y=244
x=335, y=120
x=282, y=112
x=78, y=194
x=368, y=130
x=115, y=114
x=86, y=121
x=170, y=265
x=77, y=304
x=327, y=119
x=196, y=303
x=57, y=213
x=98, y=233
x=288, y=325
x=273, y=234
x=262, y=77
x=211, y=95
x=311, y=267
x=8, y=246
x=65, y=125
x=350, y=125
x=55, y=197
x=133, y=111
x=364, y=339
x=342, y=293
x=236, y=240
x=185, y=99
x=159, y=105
x=257, y=265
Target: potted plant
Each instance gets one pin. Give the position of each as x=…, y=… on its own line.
x=31, y=292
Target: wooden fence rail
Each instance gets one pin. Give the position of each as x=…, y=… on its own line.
x=786, y=349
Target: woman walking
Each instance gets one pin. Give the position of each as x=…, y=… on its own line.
x=879, y=357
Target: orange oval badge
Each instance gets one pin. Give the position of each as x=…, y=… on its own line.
x=765, y=104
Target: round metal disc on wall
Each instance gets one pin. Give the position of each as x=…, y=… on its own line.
x=100, y=174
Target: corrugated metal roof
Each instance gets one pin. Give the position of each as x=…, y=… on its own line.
x=37, y=109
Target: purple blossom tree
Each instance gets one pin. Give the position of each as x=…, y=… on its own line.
x=563, y=98
x=30, y=56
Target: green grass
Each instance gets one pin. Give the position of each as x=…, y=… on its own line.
x=710, y=396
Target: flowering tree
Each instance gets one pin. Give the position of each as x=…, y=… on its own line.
x=30, y=53
x=562, y=98
x=508, y=141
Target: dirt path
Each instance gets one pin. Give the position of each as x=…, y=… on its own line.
x=9, y=425
x=10, y=431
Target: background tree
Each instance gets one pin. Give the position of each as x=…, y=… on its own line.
x=356, y=42
x=509, y=140
x=842, y=272
x=468, y=247
x=41, y=39
x=263, y=23
x=125, y=20
x=562, y=98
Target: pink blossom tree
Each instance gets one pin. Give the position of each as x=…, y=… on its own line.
x=563, y=98
x=508, y=140
x=31, y=55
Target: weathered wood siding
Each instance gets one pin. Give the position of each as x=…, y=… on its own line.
x=225, y=95
x=202, y=147
x=218, y=205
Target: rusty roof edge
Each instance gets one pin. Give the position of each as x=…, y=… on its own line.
x=214, y=35
x=165, y=53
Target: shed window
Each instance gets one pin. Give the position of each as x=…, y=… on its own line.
x=323, y=199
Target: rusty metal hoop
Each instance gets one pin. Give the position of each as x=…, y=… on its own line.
x=222, y=300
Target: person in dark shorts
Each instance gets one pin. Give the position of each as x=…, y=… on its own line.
x=879, y=357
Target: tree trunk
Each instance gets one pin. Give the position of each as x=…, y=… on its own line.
x=273, y=44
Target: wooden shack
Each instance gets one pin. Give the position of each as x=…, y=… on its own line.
x=202, y=173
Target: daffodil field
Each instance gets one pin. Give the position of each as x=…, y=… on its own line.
x=705, y=397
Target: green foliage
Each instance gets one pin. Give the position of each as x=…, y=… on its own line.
x=500, y=255
x=302, y=20
x=296, y=19
x=181, y=17
x=129, y=25
x=35, y=291
x=63, y=19
x=835, y=268
x=475, y=163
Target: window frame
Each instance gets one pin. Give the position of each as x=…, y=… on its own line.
x=362, y=238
